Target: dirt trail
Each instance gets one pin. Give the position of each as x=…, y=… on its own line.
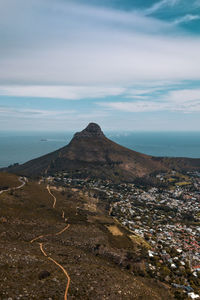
x=54, y=203
x=56, y=234
x=23, y=180
x=61, y=267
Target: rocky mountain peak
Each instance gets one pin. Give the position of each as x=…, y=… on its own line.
x=92, y=130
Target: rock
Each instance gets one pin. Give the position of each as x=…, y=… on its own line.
x=3, y=220
x=92, y=130
x=43, y=275
x=3, y=234
x=167, y=278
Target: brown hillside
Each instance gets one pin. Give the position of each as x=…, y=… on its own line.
x=92, y=154
x=8, y=181
x=95, y=155
x=88, y=251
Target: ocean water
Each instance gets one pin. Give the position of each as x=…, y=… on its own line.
x=19, y=147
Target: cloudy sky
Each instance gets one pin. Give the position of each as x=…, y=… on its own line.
x=125, y=64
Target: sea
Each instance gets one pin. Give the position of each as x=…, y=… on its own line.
x=19, y=147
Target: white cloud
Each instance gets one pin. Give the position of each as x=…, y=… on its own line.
x=38, y=119
x=109, y=60
x=159, y=5
x=185, y=19
x=140, y=90
x=143, y=93
x=34, y=113
x=87, y=46
x=60, y=92
x=183, y=96
x=186, y=101
x=137, y=106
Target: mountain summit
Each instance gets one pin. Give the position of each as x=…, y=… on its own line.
x=91, y=154
x=92, y=130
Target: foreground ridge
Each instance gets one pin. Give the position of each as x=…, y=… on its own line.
x=100, y=252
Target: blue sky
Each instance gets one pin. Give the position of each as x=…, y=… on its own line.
x=125, y=64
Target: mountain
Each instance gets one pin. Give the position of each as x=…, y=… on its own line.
x=91, y=153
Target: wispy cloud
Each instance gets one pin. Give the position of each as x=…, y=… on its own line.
x=131, y=61
x=159, y=5
x=188, y=96
x=85, y=45
x=60, y=92
x=185, y=19
x=186, y=100
x=34, y=113
x=46, y=119
x=139, y=90
x=136, y=106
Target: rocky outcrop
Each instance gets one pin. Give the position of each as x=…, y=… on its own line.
x=92, y=130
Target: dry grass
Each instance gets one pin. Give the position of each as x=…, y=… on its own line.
x=100, y=219
x=139, y=240
x=114, y=230
x=28, y=213
x=90, y=207
x=182, y=183
x=8, y=180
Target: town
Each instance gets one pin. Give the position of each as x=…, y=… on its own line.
x=165, y=216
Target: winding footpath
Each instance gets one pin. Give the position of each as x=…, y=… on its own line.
x=54, y=203
x=56, y=234
x=60, y=266
x=23, y=181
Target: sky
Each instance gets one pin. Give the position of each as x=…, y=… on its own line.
x=124, y=64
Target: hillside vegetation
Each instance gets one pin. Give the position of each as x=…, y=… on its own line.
x=95, y=257
x=8, y=180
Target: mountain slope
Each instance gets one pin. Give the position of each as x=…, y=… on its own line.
x=92, y=154
x=89, y=252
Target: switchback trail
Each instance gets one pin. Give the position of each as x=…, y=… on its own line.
x=56, y=234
